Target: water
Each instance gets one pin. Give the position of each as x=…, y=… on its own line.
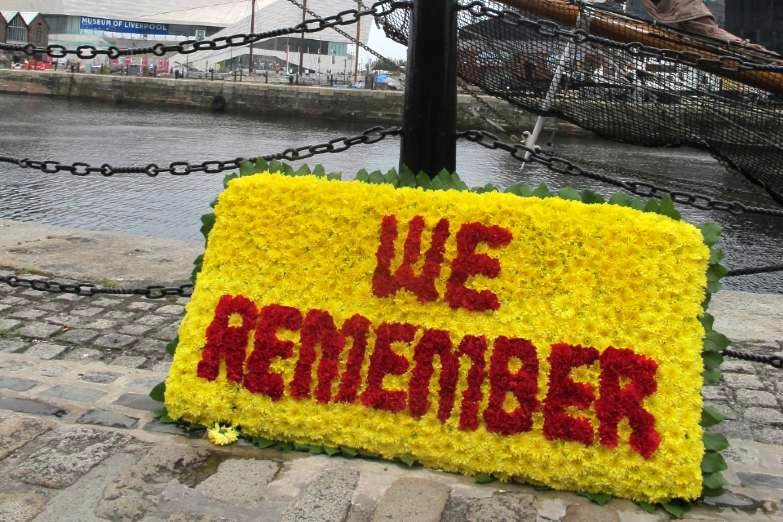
x=170, y=207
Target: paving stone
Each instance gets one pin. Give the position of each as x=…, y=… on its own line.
x=51, y=306
x=106, y=302
x=30, y=406
x=135, y=329
x=16, y=432
x=38, y=330
x=713, y=393
x=256, y=474
x=88, y=311
x=68, y=320
x=756, y=397
x=770, y=436
x=724, y=408
x=734, y=429
x=16, y=384
x=114, y=340
x=764, y=415
x=167, y=333
x=108, y=418
x=129, y=361
x=100, y=324
x=70, y=392
x=162, y=367
x=83, y=354
x=21, y=506
x=69, y=297
x=144, y=384
x=78, y=336
x=591, y=512
x=761, y=480
x=734, y=366
x=138, y=401
x=7, y=325
x=501, y=506
x=741, y=380
x=152, y=320
x=67, y=453
x=412, y=499
x=14, y=300
x=159, y=427
x=141, y=306
x=120, y=315
x=182, y=300
x=27, y=313
x=4, y=307
x=154, y=347
x=171, y=310
x=732, y=500
x=46, y=350
x=99, y=377
x=12, y=345
x=326, y=499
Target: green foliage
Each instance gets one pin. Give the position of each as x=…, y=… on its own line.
x=597, y=498
x=715, y=441
x=713, y=462
x=408, y=460
x=158, y=393
x=484, y=478
x=162, y=416
x=171, y=348
x=710, y=416
x=646, y=506
x=676, y=508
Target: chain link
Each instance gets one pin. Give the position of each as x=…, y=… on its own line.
x=643, y=189
x=184, y=168
x=550, y=29
x=380, y=8
x=773, y=360
x=87, y=289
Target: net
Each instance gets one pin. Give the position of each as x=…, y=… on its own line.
x=625, y=79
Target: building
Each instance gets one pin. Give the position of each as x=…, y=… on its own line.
x=3, y=26
x=760, y=21
x=23, y=27
x=138, y=23
x=326, y=53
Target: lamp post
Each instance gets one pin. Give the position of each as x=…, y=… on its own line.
x=251, y=67
x=430, y=114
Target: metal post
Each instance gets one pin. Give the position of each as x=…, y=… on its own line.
x=301, y=42
x=430, y=115
x=252, y=31
x=358, y=39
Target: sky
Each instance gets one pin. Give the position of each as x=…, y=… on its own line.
x=383, y=45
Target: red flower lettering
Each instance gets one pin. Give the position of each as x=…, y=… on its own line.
x=523, y=384
x=318, y=328
x=564, y=392
x=433, y=342
x=468, y=263
x=267, y=346
x=385, y=284
x=226, y=342
x=357, y=328
x=385, y=362
x=616, y=403
x=474, y=347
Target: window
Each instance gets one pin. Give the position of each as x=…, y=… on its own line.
x=17, y=30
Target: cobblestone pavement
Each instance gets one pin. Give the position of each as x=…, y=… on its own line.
x=78, y=440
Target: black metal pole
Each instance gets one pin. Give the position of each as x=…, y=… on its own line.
x=430, y=115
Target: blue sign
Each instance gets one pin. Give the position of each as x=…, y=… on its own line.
x=122, y=26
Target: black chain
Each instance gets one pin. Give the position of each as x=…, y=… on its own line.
x=313, y=25
x=551, y=29
x=184, y=168
x=644, y=189
x=87, y=289
x=756, y=270
x=773, y=360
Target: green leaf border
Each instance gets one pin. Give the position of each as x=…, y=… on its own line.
x=713, y=462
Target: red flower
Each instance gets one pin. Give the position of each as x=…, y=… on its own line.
x=616, y=403
x=385, y=284
x=564, y=392
x=468, y=263
x=357, y=327
x=433, y=342
x=267, y=346
x=385, y=362
x=474, y=347
x=523, y=384
x=318, y=328
x=226, y=342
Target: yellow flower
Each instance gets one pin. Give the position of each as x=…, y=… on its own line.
x=220, y=435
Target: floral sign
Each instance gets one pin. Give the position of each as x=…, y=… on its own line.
x=543, y=340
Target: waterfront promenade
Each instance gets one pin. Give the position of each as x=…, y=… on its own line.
x=78, y=439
